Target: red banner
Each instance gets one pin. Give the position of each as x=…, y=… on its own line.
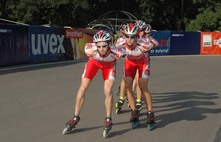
x=78, y=38
x=210, y=43
x=73, y=33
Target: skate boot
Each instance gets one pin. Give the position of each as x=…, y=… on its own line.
x=107, y=127
x=138, y=105
x=71, y=125
x=119, y=105
x=151, y=124
x=135, y=119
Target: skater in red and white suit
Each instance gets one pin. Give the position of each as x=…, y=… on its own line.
x=101, y=56
x=144, y=34
x=137, y=59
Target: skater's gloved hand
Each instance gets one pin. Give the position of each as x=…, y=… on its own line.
x=125, y=55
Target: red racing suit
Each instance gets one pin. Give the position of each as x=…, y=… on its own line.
x=136, y=58
x=96, y=61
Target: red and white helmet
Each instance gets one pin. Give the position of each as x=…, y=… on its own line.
x=148, y=29
x=102, y=36
x=131, y=29
x=142, y=25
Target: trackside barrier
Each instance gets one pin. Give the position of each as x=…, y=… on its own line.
x=34, y=44
x=185, y=43
x=48, y=44
x=210, y=43
x=78, y=38
x=13, y=44
x=163, y=37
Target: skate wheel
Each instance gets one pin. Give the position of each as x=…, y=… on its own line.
x=152, y=126
x=135, y=124
x=68, y=130
x=106, y=133
x=65, y=131
x=118, y=111
x=140, y=109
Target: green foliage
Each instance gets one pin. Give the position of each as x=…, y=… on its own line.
x=59, y=12
x=191, y=15
x=208, y=19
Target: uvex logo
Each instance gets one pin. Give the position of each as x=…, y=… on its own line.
x=47, y=43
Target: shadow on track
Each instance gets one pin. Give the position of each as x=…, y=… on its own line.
x=38, y=66
x=190, y=106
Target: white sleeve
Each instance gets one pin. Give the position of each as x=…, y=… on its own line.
x=90, y=49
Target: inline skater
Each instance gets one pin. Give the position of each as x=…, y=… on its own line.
x=144, y=34
x=145, y=31
x=101, y=56
x=136, y=59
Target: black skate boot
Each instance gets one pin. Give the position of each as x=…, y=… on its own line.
x=151, y=124
x=138, y=105
x=71, y=125
x=107, y=127
x=119, y=105
x=135, y=119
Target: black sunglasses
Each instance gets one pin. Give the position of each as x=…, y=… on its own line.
x=104, y=46
x=131, y=37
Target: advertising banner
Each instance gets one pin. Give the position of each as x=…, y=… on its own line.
x=13, y=44
x=185, y=43
x=78, y=38
x=49, y=44
x=163, y=37
x=210, y=43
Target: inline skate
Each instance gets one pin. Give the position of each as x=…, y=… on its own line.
x=119, y=105
x=71, y=125
x=107, y=127
x=138, y=105
x=151, y=123
x=135, y=119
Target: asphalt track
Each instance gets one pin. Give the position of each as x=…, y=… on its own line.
x=36, y=102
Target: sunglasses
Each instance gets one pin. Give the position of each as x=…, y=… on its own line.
x=131, y=37
x=104, y=46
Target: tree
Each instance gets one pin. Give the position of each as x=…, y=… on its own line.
x=163, y=14
x=209, y=16
x=3, y=10
x=59, y=12
x=65, y=12
x=191, y=15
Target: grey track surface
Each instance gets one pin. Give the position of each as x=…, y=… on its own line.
x=36, y=102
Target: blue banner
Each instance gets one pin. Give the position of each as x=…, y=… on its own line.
x=13, y=44
x=185, y=43
x=49, y=44
x=163, y=37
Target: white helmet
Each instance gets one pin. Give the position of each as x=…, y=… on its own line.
x=131, y=29
x=142, y=25
x=148, y=29
x=102, y=36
